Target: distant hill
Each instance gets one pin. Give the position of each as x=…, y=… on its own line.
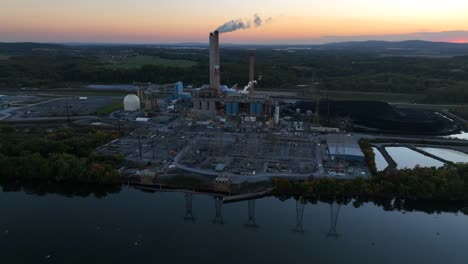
x=401, y=48
x=22, y=47
x=402, y=45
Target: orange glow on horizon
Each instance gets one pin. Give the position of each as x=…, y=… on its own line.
x=459, y=41
x=294, y=21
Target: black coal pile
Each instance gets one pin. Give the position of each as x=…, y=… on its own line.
x=381, y=117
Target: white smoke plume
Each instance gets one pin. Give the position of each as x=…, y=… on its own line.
x=258, y=21
x=233, y=25
x=238, y=24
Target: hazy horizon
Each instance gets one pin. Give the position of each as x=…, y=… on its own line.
x=425, y=36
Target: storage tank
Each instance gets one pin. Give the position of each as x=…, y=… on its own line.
x=131, y=103
x=235, y=108
x=259, y=109
x=229, y=108
x=277, y=115
x=253, y=108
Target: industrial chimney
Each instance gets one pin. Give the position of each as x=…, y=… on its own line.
x=252, y=72
x=212, y=61
x=216, y=61
x=215, y=76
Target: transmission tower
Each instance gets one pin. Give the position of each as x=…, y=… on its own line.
x=316, y=87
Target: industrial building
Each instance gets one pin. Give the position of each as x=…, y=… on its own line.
x=344, y=147
x=148, y=98
x=219, y=99
x=179, y=93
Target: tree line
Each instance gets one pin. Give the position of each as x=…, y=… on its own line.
x=440, y=80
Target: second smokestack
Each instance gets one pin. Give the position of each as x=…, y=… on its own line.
x=252, y=72
x=212, y=61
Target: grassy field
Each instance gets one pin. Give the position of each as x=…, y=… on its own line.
x=92, y=93
x=139, y=61
x=4, y=57
x=110, y=108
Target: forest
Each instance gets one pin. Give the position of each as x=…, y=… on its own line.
x=441, y=80
x=63, y=155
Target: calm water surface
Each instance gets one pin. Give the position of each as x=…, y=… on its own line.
x=408, y=159
x=137, y=227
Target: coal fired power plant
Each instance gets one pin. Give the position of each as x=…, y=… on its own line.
x=216, y=98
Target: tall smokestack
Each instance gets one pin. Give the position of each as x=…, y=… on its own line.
x=212, y=61
x=217, y=68
x=252, y=72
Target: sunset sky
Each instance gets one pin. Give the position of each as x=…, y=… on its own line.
x=293, y=21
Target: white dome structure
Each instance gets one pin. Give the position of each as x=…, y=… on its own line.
x=131, y=103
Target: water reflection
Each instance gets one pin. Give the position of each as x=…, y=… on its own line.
x=42, y=188
x=300, y=205
x=334, y=213
x=141, y=227
x=218, y=219
x=251, y=219
x=251, y=223
x=188, y=207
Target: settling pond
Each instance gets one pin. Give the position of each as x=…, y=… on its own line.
x=380, y=162
x=409, y=159
x=447, y=154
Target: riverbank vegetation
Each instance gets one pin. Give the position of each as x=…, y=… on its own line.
x=448, y=183
x=428, y=184
x=60, y=155
x=369, y=155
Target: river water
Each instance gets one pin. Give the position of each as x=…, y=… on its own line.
x=132, y=226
